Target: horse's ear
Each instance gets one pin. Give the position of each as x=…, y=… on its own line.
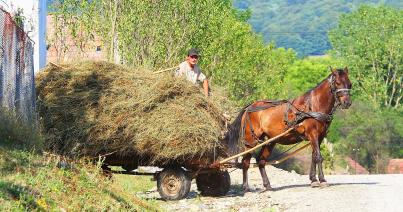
x=346, y=70
x=331, y=69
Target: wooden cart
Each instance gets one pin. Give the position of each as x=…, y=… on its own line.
x=174, y=179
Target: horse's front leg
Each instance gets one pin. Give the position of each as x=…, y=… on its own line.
x=316, y=160
x=312, y=172
x=265, y=152
x=321, y=176
x=245, y=167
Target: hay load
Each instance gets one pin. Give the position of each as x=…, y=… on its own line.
x=95, y=108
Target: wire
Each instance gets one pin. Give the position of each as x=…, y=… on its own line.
x=318, y=32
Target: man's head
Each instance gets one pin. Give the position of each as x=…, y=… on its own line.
x=193, y=56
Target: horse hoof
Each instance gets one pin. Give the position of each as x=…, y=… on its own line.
x=264, y=191
x=315, y=184
x=268, y=188
x=324, y=184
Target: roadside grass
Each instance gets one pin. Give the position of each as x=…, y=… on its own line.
x=34, y=181
x=30, y=181
x=133, y=183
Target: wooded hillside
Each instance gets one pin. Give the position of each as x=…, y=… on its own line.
x=302, y=25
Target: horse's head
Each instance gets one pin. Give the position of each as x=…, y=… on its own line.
x=340, y=86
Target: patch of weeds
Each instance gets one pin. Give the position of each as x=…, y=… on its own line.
x=24, y=196
x=15, y=160
x=18, y=133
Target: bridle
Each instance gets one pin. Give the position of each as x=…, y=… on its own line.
x=335, y=91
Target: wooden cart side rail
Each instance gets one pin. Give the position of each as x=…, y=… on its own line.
x=254, y=148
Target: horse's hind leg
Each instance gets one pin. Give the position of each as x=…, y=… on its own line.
x=245, y=167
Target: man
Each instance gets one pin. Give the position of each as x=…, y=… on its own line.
x=191, y=71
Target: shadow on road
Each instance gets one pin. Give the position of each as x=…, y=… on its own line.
x=236, y=190
x=330, y=185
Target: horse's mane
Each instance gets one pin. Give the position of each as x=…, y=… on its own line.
x=339, y=70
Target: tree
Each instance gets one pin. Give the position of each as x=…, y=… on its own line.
x=370, y=42
x=301, y=24
x=305, y=74
x=156, y=34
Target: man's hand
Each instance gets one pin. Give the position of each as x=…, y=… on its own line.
x=205, y=87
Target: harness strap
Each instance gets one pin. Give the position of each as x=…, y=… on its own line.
x=250, y=109
x=323, y=117
x=301, y=116
x=252, y=131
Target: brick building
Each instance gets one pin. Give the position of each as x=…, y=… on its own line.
x=64, y=49
x=395, y=166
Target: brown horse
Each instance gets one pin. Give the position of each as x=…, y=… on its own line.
x=309, y=115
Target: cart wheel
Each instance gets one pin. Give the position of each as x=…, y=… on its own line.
x=213, y=183
x=173, y=183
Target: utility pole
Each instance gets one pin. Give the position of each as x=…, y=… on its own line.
x=42, y=53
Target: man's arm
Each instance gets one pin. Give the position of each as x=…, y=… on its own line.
x=205, y=87
x=178, y=72
x=181, y=69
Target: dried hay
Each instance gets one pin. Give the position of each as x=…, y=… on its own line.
x=94, y=108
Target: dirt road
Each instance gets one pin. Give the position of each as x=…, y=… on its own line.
x=292, y=192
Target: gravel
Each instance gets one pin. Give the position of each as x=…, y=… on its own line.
x=292, y=192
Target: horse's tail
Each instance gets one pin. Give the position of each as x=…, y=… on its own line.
x=233, y=135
